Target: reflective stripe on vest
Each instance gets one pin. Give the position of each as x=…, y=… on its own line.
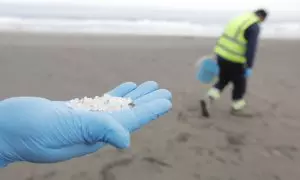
x=232, y=44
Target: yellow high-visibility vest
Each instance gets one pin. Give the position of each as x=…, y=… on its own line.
x=232, y=44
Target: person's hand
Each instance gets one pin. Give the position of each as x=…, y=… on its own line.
x=248, y=72
x=39, y=130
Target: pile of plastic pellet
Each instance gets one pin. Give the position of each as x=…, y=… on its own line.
x=105, y=103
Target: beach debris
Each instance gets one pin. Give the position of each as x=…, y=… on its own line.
x=105, y=103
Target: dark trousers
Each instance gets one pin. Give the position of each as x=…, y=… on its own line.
x=234, y=73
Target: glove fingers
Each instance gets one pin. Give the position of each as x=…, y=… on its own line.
x=143, y=89
x=143, y=114
x=122, y=89
x=159, y=94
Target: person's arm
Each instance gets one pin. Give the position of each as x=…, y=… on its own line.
x=251, y=35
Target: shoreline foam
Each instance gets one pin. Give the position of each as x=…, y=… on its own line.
x=283, y=30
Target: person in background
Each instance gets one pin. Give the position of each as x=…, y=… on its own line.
x=235, y=53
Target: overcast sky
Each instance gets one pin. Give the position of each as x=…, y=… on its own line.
x=193, y=4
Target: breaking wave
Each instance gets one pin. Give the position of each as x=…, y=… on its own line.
x=290, y=30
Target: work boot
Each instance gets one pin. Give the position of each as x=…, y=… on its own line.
x=242, y=113
x=205, y=106
x=206, y=103
x=239, y=109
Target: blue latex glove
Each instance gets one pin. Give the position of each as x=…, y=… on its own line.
x=39, y=130
x=248, y=72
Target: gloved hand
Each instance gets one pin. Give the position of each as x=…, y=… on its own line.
x=248, y=72
x=39, y=130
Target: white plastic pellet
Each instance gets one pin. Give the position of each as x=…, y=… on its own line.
x=105, y=103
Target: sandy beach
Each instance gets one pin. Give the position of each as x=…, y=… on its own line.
x=180, y=145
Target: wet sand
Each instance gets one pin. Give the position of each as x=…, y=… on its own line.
x=180, y=145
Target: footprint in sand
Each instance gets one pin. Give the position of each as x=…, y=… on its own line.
x=107, y=171
x=80, y=176
x=156, y=161
x=182, y=117
x=235, y=139
x=47, y=176
x=183, y=137
x=282, y=150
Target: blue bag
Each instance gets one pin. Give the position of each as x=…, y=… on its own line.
x=207, y=70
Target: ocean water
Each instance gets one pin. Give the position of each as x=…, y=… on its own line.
x=290, y=30
x=68, y=18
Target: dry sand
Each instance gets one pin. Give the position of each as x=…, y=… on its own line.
x=180, y=145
